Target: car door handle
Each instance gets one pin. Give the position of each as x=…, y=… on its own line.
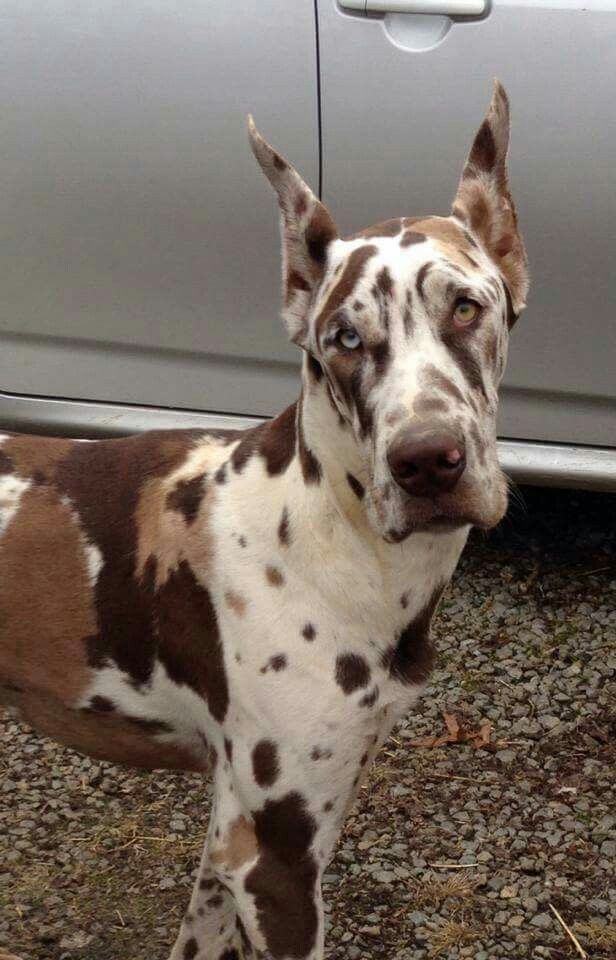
x=452, y=8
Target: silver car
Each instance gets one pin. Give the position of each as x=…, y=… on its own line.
x=140, y=278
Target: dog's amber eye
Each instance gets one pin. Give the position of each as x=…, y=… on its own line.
x=349, y=338
x=466, y=312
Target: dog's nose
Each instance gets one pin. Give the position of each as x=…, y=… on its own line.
x=426, y=465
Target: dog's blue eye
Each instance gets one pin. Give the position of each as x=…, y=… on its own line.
x=350, y=339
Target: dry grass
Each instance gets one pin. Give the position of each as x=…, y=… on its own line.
x=454, y=933
x=595, y=934
x=460, y=886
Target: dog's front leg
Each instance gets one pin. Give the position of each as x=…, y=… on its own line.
x=209, y=929
x=258, y=893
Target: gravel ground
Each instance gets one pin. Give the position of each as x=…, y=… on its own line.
x=455, y=849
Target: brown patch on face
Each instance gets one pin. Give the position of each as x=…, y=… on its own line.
x=240, y=845
x=410, y=237
x=435, y=378
x=309, y=632
x=274, y=576
x=384, y=282
x=351, y=275
x=236, y=602
x=429, y=404
x=352, y=672
x=411, y=658
x=480, y=445
x=47, y=604
x=265, y=763
x=315, y=369
x=356, y=486
x=284, y=530
x=491, y=350
x=388, y=228
x=221, y=474
x=450, y=237
x=396, y=415
x=228, y=749
x=283, y=880
x=466, y=360
x=420, y=279
x=186, y=497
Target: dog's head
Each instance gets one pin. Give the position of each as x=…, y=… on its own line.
x=406, y=325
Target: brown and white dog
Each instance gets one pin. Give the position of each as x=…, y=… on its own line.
x=258, y=603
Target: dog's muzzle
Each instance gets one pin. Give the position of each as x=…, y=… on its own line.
x=425, y=463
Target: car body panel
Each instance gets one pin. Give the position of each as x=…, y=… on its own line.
x=141, y=256
x=414, y=113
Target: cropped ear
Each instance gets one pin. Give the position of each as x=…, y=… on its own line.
x=306, y=228
x=484, y=203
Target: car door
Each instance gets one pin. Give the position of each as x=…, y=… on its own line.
x=140, y=253
x=402, y=95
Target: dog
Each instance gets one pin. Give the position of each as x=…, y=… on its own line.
x=258, y=603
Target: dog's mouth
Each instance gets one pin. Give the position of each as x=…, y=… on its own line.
x=438, y=524
x=447, y=513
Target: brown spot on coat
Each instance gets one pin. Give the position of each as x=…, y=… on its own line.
x=236, y=602
x=284, y=532
x=283, y=879
x=38, y=456
x=411, y=657
x=6, y=464
x=240, y=846
x=352, y=672
x=274, y=440
x=274, y=576
x=311, y=468
x=191, y=949
x=189, y=645
x=186, y=497
x=265, y=763
x=47, y=604
x=309, y=632
x=369, y=699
